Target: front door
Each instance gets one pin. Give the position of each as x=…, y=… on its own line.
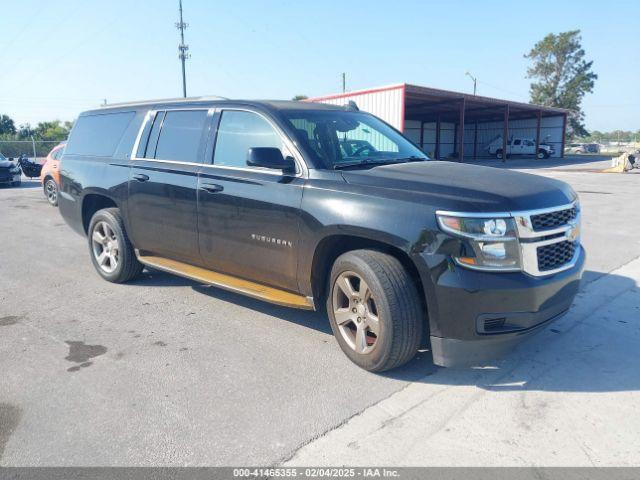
x=516, y=147
x=163, y=183
x=248, y=217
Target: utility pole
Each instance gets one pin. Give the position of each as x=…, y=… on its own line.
x=474, y=81
x=183, y=49
x=344, y=82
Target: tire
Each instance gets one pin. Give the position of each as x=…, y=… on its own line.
x=499, y=154
x=393, y=300
x=51, y=191
x=119, y=263
x=542, y=154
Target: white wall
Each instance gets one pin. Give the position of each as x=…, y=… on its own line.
x=385, y=102
x=550, y=129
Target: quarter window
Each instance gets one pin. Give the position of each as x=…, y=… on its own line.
x=238, y=132
x=180, y=136
x=98, y=134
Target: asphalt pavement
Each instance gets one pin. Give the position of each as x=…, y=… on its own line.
x=165, y=371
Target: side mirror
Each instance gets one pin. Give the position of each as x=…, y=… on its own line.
x=270, y=157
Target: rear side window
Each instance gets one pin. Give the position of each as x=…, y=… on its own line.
x=180, y=136
x=98, y=135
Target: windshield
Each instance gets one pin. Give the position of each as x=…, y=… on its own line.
x=341, y=138
x=2, y=157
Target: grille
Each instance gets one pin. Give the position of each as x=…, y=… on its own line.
x=546, y=221
x=555, y=255
x=493, y=324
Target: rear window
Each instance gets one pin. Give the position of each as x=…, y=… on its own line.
x=98, y=135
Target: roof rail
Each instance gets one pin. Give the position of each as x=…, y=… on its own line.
x=164, y=100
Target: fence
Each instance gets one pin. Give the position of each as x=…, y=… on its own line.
x=30, y=148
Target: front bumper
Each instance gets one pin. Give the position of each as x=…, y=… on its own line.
x=480, y=316
x=9, y=178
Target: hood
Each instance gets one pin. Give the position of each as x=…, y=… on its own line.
x=7, y=164
x=463, y=187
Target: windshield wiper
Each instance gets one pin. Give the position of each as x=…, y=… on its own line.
x=377, y=161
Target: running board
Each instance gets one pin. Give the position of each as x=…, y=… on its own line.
x=227, y=282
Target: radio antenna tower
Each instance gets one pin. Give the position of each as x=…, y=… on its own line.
x=183, y=51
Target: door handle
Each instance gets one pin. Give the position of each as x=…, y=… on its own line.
x=141, y=177
x=211, y=187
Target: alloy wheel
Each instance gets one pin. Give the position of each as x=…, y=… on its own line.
x=355, y=312
x=105, y=247
x=51, y=191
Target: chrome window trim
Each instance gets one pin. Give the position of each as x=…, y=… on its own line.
x=301, y=166
x=529, y=249
x=210, y=111
x=297, y=156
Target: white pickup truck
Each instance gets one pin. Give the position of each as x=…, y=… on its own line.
x=520, y=146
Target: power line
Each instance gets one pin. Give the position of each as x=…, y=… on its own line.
x=183, y=50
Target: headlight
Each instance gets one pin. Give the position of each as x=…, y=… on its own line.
x=492, y=242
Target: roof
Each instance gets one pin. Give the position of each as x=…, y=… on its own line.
x=428, y=103
x=213, y=100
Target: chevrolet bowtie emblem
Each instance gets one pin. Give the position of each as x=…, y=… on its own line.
x=574, y=232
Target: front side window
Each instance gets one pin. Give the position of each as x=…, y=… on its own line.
x=238, y=132
x=180, y=135
x=341, y=138
x=516, y=142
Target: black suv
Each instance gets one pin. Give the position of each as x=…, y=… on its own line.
x=307, y=205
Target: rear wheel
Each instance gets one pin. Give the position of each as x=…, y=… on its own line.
x=51, y=191
x=112, y=253
x=499, y=154
x=374, y=310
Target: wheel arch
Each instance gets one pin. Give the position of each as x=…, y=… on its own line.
x=330, y=247
x=92, y=202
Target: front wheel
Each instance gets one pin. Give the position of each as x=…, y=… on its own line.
x=499, y=154
x=374, y=310
x=51, y=192
x=542, y=154
x=112, y=253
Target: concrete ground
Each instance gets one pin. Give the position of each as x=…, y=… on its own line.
x=168, y=372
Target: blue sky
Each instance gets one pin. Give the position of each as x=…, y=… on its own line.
x=59, y=57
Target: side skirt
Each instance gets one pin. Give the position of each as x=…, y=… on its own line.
x=227, y=282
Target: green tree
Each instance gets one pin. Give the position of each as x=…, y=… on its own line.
x=562, y=76
x=297, y=98
x=25, y=131
x=54, y=130
x=6, y=125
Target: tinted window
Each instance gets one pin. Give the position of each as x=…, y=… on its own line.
x=98, y=135
x=180, y=135
x=341, y=137
x=240, y=131
x=516, y=142
x=152, y=139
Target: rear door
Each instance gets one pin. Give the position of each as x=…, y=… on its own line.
x=248, y=217
x=163, y=182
